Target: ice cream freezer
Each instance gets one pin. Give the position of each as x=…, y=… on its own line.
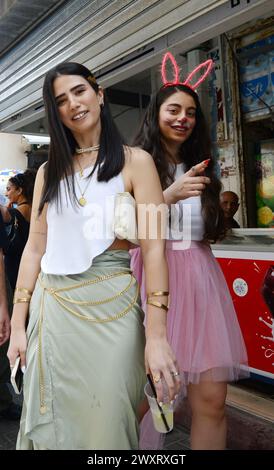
x=246, y=257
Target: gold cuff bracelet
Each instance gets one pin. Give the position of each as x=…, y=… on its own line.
x=23, y=289
x=158, y=293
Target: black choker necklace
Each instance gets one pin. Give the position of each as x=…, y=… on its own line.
x=22, y=203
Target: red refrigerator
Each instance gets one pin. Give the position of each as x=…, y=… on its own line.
x=247, y=261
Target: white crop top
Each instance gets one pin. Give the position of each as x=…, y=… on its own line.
x=76, y=235
x=186, y=216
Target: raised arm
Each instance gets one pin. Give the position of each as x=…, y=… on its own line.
x=28, y=272
x=160, y=361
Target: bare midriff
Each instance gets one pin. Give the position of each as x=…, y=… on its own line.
x=120, y=245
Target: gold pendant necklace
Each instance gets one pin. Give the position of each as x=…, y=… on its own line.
x=81, y=169
x=82, y=200
x=87, y=149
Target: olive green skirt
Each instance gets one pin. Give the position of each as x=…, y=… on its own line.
x=85, y=359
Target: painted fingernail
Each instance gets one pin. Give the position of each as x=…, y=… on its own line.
x=160, y=403
x=206, y=162
x=23, y=369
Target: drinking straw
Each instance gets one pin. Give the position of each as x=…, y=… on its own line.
x=160, y=408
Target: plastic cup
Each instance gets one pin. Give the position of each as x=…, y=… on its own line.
x=162, y=416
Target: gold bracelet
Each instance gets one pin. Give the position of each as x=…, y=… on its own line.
x=21, y=300
x=23, y=289
x=157, y=304
x=158, y=293
x=15, y=297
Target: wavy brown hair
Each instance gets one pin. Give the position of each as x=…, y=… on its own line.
x=194, y=150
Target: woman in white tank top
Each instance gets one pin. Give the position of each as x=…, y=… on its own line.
x=85, y=352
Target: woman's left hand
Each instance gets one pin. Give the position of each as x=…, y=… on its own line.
x=162, y=366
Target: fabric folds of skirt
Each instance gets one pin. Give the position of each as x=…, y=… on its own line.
x=203, y=328
x=84, y=380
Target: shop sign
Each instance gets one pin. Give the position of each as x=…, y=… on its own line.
x=257, y=78
x=236, y=3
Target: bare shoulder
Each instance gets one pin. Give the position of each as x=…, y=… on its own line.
x=137, y=158
x=40, y=175
x=139, y=170
x=41, y=169
x=25, y=211
x=38, y=188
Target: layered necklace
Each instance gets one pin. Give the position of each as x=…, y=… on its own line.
x=87, y=149
x=82, y=200
x=81, y=169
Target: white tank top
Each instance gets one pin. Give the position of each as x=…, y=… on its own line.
x=76, y=235
x=182, y=226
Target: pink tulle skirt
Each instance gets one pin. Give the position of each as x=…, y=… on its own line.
x=203, y=328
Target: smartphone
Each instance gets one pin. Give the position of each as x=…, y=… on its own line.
x=16, y=377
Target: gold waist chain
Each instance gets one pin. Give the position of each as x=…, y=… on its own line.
x=57, y=295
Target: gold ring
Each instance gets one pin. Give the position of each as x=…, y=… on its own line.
x=156, y=378
x=175, y=374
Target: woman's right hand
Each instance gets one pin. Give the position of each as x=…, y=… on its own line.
x=187, y=185
x=17, y=346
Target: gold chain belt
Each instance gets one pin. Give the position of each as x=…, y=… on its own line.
x=55, y=293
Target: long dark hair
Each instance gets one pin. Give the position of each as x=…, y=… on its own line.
x=194, y=150
x=25, y=181
x=111, y=157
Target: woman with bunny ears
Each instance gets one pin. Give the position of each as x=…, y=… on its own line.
x=203, y=329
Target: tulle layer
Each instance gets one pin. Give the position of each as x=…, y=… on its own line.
x=203, y=328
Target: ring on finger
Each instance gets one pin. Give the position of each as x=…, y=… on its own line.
x=156, y=378
x=174, y=373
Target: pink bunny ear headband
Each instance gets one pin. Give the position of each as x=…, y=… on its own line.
x=208, y=64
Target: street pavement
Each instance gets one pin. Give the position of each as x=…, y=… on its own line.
x=178, y=439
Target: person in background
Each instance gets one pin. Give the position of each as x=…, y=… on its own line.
x=203, y=328
x=230, y=204
x=17, y=219
x=85, y=349
x=8, y=409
